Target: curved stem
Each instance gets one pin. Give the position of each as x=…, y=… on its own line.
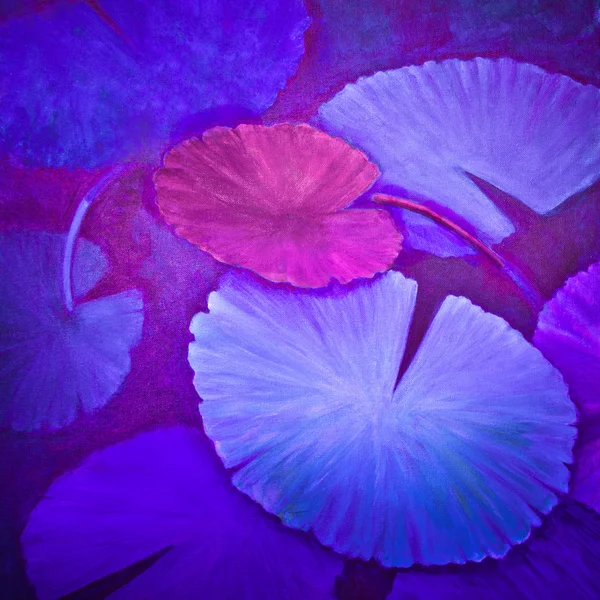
x=82, y=209
x=530, y=293
x=431, y=214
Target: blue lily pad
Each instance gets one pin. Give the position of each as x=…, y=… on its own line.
x=454, y=463
x=165, y=490
x=54, y=362
x=87, y=88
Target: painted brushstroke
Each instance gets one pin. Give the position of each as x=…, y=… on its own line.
x=454, y=463
x=419, y=209
x=273, y=200
x=568, y=333
x=166, y=489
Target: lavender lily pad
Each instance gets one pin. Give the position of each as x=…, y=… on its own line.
x=455, y=462
x=56, y=362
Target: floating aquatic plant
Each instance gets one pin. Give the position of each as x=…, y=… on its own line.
x=568, y=334
x=455, y=462
x=532, y=134
x=274, y=200
x=560, y=560
x=60, y=353
x=164, y=494
x=91, y=84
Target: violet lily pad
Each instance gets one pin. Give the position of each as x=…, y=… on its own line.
x=568, y=334
x=560, y=560
x=87, y=88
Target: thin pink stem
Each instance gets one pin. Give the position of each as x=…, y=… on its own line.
x=110, y=22
x=434, y=216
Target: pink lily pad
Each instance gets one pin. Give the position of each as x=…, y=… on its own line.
x=274, y=200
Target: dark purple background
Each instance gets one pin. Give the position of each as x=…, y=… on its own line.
x=346, y=40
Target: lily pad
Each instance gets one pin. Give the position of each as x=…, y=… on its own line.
x=84, y=87
x=455, y=462
x=274, y=200
x=56, y=363
x=560, y=560
x=165, y=491
x=532, y=134
x=568, y=334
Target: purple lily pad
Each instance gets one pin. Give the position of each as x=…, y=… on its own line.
x=560, y=560
x=84, y=87
x=568, y=334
